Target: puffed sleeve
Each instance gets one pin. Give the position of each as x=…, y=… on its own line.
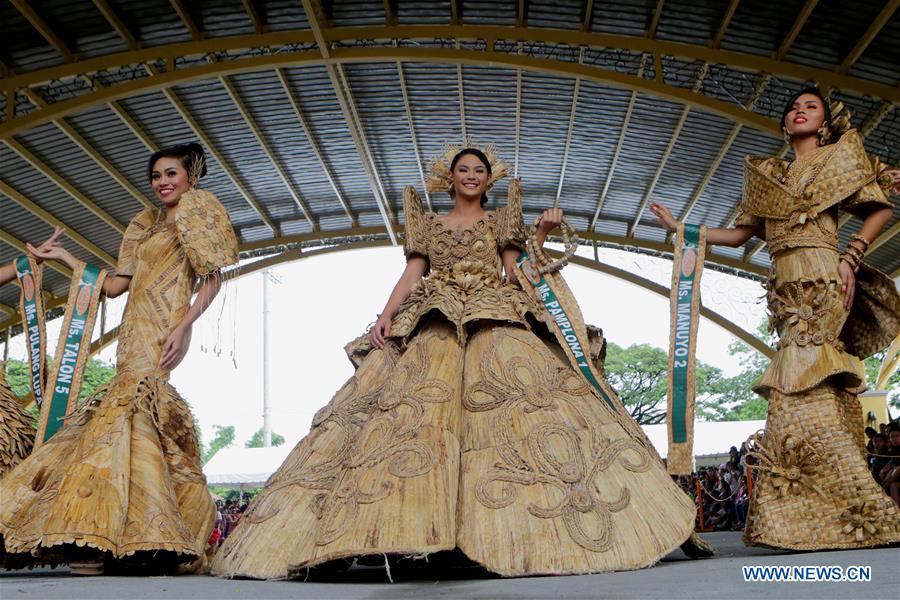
x=871, y=196
x=134, y=234
x=415, y=238
x=205, y=232
x=511, y=229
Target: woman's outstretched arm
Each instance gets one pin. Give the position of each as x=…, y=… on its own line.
x=720, y=236
x=415, y=269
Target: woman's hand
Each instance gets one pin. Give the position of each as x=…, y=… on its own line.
x=52, y=250
x=175, y=348
x=848, y=283
x=381, y=330
x=52, y=241
x=664, y=217
x=895, y=179
x=550, y=220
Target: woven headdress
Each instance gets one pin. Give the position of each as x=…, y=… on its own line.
x=840, y=119
x=441, y=179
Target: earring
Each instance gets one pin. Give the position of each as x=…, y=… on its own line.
x=786, y=135
x=824, y=134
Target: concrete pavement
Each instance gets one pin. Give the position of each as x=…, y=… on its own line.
x=674, y=577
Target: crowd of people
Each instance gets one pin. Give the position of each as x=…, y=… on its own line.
x=722, y=493
x=228, y=514
x=883, y=450
x=724, y=490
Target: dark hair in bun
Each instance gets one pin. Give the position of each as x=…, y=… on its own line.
x=191, y=155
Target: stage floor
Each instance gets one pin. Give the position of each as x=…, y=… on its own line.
x=675, y=577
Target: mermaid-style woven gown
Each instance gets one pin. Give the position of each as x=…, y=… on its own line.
x=814, y=490
x=123, y=475
x=469, y=430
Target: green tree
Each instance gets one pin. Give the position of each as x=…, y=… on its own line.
x=256, y=441
x=639, y=373
x=223, y=438
x=96, y=374
x=736, y=400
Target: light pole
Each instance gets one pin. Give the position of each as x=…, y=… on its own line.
x=267, y=275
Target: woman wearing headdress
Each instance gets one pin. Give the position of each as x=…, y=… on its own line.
x=464, y=426
x=122, y=477
x=830, y=310
x=16, y=425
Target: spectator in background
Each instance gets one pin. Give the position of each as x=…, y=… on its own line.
x=879, y=455
x=870, y=435
x=890, y=473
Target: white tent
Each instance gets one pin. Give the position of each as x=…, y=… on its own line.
x=242, y=468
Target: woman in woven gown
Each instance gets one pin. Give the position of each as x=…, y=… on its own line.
x=464, y=426
x=830, y=310
x=16, y=425
x=123, y=476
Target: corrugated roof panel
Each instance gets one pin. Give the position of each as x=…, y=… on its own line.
x=282, y=15
x=881, y=59
x=652, y=123
x=21, y=224
x=312, y=87
x=612, y=16
x=695, y=150
x=490, y=12
x=272, y=111
x=690, y=21
x=223, y=18
x=832, y=31
x=239, y=148
x=598, y=123
x=546, y=106
x=358, y=13
x=115, y=142
x=556, y=14
x=153, y=22
x=424, y=12
x=379, y=101
x=759, y=26
x=434, y=96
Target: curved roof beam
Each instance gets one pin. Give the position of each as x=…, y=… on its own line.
x=164, y=80
x=636, y=44
x=490, y=34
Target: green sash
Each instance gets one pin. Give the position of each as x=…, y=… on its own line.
x=72, y=350
x=31, y=302
x=690, y=252
x=553, y=292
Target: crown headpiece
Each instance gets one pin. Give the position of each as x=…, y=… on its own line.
x=441, y=179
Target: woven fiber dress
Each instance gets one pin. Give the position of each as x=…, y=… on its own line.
x=814, y=490
x=469, y=430
x=123, y=475
x=16, y=429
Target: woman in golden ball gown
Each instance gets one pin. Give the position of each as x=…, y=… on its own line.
x=464, y=426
